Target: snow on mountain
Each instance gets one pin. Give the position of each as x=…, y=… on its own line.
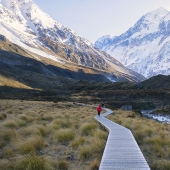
x=22, y=22
x=145, y=47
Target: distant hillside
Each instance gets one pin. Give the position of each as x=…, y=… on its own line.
x=157, y=82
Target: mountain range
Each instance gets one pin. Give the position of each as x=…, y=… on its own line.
x=145, y=47
x=30, y=35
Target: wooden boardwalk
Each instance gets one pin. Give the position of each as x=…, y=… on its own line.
x=121, y=151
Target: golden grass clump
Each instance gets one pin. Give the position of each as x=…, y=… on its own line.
x=88, y=128
x=32, y=162
x=94, y=165
x=85, y=153
x=63, y=123
x=8, y=134
x=10, y=124
x=29, y=131
x=31, y=145
x=8, y=152
x=97, y=147
x=101, y=134
x=3, y=116
x=64, y=135
x=78, y=142
x=161, y=165
x=62, y=165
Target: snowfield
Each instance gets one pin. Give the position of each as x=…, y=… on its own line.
x=145, y=47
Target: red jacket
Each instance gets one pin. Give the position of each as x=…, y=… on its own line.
x=99, y=109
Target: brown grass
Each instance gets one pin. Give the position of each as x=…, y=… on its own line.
x=152, y=137
x=46, y=135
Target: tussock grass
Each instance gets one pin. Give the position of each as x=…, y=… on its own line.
x=8, y=134
x=96, y=147
x=161, y=164
x=10, y=124
x=2, y=116
x=21, y=123
x=63, y=165
x=31, y=145
x=28, y=131
x=10, y=112
x=63, y=123
x=85, y=153
x=152, y=137
x=48, y=135
x=5, y=164
x=88, y=128
x=64, y=135
x=94, y=165
x=32, y=162
x=8, y=152
x=78, y=142
x=101, y=134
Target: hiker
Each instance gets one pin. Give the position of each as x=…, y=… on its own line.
x=102, y=104
x=99, y=109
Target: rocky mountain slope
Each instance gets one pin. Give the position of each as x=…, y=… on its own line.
x=145, y=47
x=23, y=23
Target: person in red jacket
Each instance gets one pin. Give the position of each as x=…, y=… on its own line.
x=99, y=109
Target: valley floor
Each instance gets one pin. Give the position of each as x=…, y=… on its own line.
x=47, y=135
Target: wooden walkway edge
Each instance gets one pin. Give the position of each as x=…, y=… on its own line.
x=121, y=151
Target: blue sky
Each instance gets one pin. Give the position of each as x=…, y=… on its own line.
x=95, y=18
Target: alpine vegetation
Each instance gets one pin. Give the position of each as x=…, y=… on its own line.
x=36, y=138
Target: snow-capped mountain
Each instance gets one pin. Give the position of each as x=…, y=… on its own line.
x=23, y=23
x=145, y=47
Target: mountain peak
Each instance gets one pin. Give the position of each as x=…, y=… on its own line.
x=161, y=9
x=157, y=14
x=144, y=48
